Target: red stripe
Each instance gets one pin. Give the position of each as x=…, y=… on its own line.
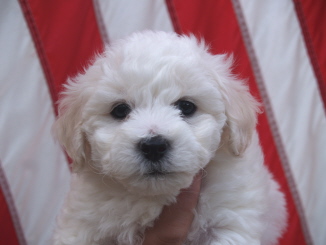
x=39, y=48
x=312, y=18
x=8, y=232
x=173, y=16
x=11, y=231
x=66, y=36
x=220, y=28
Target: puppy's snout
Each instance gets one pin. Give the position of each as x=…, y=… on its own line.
x=154, y=148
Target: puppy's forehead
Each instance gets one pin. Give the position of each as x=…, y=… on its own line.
x=154, y=67
x=167, y=81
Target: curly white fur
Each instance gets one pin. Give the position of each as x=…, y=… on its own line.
x=112, y=198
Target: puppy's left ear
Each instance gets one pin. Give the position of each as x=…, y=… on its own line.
x=67, y=128
x=240, y=108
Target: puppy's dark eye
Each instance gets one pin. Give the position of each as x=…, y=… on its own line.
x=187, y=108
x=121, y=111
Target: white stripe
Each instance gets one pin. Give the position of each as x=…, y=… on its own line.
x=35, y=167
x=295, y=99
x=122, y=17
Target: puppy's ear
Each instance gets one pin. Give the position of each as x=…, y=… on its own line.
x=240, y=108
x=67, y=128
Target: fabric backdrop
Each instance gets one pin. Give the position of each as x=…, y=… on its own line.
x=279, y=47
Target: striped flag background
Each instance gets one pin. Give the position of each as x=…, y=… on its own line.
x=278, y=45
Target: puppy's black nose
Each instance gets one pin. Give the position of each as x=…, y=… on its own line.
x=154, y=148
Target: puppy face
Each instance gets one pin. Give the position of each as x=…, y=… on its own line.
x=152, y=111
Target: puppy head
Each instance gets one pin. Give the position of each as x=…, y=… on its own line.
x=152, y=111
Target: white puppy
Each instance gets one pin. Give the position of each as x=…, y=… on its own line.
x=140, y=122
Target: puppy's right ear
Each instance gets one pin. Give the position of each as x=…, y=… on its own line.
x=67, y=128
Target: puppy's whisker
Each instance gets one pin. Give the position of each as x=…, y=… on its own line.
x=104, y=176
x=222, y=144
x=203, y=173
x=93, y=168
x=111, y=178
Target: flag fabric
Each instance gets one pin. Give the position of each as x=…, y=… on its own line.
x=278, y=46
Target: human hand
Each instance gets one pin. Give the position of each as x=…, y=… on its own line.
x=173, y=224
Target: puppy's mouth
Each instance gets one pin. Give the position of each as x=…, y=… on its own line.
x=156, y=169
x=156, y=173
